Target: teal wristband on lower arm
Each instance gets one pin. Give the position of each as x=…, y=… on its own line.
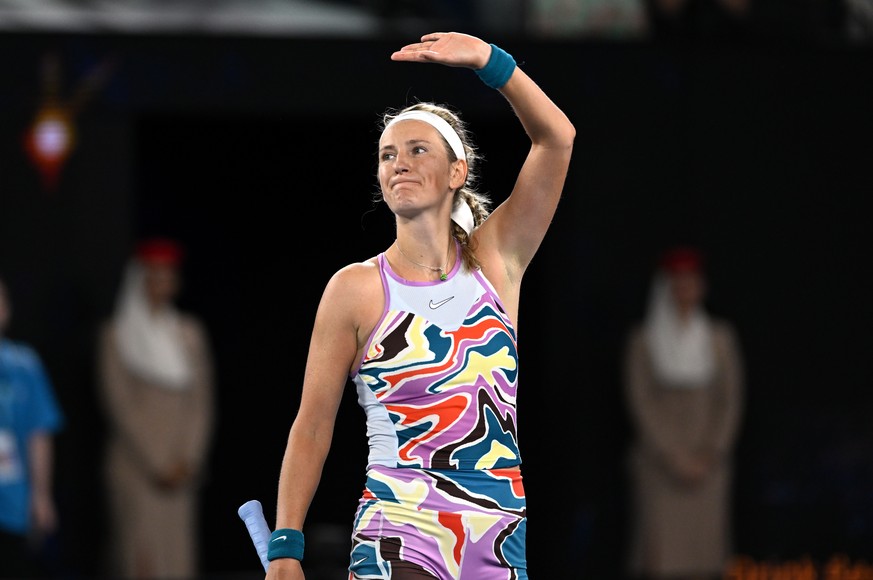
x=285, y=543
x=500, y=67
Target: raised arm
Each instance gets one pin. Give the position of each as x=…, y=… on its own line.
x=516, y=227
x=520, y=223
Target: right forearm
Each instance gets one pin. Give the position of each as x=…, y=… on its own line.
x=299, y=477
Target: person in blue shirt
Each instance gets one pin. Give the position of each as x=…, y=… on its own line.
x=29, y=419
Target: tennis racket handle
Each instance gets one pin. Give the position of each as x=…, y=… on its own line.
x=252, y=513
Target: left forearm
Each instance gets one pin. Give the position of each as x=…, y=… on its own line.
x=543, y=121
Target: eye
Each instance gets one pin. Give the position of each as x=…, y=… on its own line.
x=387, y=156
x=418, y=149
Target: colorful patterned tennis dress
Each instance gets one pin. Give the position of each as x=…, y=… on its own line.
x=443, y=497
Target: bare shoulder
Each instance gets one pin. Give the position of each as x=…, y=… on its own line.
x=357, y=290
x=355, y=279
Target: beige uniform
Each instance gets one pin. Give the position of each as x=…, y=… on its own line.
x=678, y=530
x=151, y=427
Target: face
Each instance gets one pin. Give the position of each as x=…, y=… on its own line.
x=161, y=282
x=688, y=288
x=414, y=168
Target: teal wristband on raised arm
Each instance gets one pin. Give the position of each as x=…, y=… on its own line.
x=500, y=67
x=285, y=543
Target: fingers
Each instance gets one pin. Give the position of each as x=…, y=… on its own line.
x=423, y=50
x=418, y=51
x=414, y=48
x=420, y=46
x=433, y=36
x=450, y=48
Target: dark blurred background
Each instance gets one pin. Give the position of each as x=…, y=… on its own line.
x=248, y=131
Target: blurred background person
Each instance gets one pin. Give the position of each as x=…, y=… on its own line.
x=684, y=385
x=700, y=19
x=612, y=19
x=29, y=419
x=156, y=378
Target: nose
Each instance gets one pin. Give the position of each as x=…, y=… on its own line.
x=401, y=164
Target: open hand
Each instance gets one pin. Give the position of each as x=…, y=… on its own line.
x=448, y=48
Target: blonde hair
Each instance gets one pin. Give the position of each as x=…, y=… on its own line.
x=479, y=203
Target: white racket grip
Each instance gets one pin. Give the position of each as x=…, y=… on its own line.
x=252, y=513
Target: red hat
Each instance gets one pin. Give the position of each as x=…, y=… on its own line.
x=160, y=251
x=682, y=259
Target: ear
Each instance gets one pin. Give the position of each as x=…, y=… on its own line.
x=458, y=174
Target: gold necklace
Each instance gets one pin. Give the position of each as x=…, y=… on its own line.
x=441, y=271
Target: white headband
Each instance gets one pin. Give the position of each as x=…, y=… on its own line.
x=463, y=215
x=437, y=123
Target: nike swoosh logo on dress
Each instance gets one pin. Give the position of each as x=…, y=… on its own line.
x=434, y=305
